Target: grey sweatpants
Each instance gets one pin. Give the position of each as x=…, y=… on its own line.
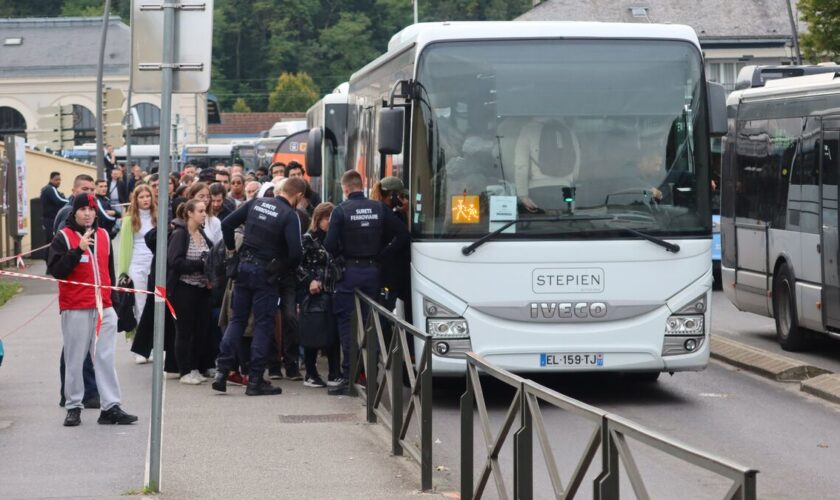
x=79, y=330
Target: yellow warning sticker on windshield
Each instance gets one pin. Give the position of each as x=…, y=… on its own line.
x=465, y=209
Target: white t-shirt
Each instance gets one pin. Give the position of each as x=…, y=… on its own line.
x=141, y=250
x=213, y=229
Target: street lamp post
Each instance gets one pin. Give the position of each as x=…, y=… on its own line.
x=100, y=147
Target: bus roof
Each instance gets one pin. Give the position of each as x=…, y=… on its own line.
x=799, y=85
x=422, y=34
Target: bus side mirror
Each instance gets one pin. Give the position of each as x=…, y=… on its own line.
x=391, y=130
x=717, y=109
x=314, y=156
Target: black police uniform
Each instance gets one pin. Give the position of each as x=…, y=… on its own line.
x=363, y=232
x=270, y=250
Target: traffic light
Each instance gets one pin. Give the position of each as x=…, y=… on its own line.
x=112, y=119
x=55, y=127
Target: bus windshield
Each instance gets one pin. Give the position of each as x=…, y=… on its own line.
x=508, y=130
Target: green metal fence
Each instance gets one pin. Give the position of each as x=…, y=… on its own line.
x=610, y=435
x=387, y=362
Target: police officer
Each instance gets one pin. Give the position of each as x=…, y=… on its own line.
x=271, y=249
x=362, y=232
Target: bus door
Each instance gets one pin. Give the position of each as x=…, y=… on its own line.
x=829, y=245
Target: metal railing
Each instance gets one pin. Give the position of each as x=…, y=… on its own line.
x=385, y=362
x=609, y=435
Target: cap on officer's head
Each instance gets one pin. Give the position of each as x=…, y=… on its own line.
x=393, y=184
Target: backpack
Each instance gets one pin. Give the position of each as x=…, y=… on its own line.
x=214, y=266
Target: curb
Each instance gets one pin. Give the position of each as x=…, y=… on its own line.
x=816, y=381
x=764, y=363
x=825, y=386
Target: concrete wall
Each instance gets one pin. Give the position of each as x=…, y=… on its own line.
x=38, y=168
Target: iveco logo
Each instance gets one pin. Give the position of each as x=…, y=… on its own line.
x=568, y=309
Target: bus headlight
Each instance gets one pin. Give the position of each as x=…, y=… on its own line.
x=684, y=325
x=684, y=334
x=448, y=327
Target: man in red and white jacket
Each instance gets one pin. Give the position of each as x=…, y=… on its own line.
x=81, y=252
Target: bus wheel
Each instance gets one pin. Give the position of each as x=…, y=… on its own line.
x=791, y=336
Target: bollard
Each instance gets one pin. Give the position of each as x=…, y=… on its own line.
x=467, y=405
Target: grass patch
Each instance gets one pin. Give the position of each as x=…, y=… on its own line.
x=8, y=289
x=134, y=493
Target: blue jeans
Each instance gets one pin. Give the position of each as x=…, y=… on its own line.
x=251, y=291
x=366, y=279
x=87, y=374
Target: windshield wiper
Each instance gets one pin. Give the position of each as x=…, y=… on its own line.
x=470, y=249
x=671, y=247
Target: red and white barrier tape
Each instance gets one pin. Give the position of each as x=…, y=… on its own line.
x=19, y=257
x=159, y=293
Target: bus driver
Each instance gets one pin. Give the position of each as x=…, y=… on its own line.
x=546, y=158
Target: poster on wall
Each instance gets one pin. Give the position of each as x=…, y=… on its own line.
x=20, y=180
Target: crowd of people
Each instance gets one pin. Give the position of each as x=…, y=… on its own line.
x=260, y=272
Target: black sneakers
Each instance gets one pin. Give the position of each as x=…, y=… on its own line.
x=73, y=418
x=293, y=374
x=115, y=415
x=220, y=381
x=260, y=387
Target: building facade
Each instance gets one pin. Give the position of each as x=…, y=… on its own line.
x=732, y=33
x=45, y=62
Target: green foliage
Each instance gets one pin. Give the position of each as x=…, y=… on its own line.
x=241, y=106
x=257, y=40
x=294, y=92
x=822, y=42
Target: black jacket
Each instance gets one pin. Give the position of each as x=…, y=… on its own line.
x=121, y=188
x=177, y=263
x=51, y=202
x=62, y=260
x=106, y=222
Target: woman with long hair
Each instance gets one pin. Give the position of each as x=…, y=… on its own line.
x=212, y=225
x=135, y=257
x=189, y=288
x=318, y=330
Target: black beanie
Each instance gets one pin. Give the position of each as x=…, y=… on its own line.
x=83, y=200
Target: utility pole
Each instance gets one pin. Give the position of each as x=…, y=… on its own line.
x=794, y=33
x=100, y=147
x=167, y=70
x=415, y=11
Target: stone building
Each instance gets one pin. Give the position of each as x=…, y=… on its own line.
x=46, y=62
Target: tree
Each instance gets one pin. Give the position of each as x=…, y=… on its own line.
x=241, y=106
x=294, y=92
x=822, y=42
x=342, y=49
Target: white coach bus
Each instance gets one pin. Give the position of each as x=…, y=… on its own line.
x=328, y=117
x=779, y=205
x=560, y=189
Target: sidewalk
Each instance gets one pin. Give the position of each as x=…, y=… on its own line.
x=214, y=445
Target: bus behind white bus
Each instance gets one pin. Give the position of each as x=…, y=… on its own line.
x=779, y=205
